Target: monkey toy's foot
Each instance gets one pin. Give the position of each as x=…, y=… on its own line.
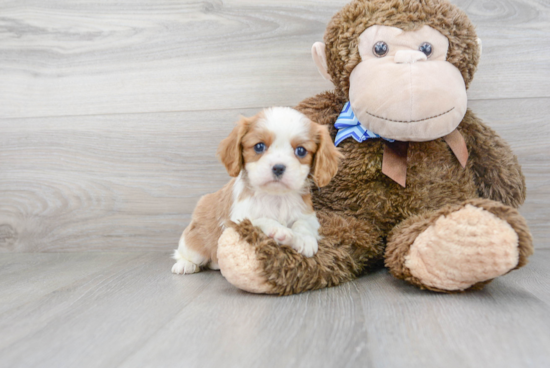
x=239, y=264
x=459, y=247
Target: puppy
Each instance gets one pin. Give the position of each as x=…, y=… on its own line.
x=271, y=157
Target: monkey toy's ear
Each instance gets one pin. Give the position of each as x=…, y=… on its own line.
x=480, y=44
x=318, y=51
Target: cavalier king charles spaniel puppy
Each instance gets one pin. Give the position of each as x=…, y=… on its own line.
x=275, y=158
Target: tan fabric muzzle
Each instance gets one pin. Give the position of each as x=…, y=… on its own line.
x=406, y=95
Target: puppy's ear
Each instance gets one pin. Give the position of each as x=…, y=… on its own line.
x=327, y=158
x=230, y=150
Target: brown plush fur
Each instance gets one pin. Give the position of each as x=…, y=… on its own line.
x=361, y=207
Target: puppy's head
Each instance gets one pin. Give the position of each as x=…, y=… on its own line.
x=278, y=149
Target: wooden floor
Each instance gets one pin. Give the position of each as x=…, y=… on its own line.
x=127, y=310
x=110, y=114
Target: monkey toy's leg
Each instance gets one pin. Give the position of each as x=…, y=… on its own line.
x=459, y=247
x=253, y=262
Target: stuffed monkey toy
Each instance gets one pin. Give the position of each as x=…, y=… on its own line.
x=425, y=188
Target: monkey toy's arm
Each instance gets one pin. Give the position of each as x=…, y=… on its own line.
x=496, y=169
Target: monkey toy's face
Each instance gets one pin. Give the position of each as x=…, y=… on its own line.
x=403, y=88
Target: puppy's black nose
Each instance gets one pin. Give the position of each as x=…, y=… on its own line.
x=278, y=170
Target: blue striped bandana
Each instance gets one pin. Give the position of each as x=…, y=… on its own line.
x=348, y=126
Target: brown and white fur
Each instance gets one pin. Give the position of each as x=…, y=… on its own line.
x=279, y=203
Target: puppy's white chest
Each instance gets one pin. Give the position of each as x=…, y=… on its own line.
x=283, y=209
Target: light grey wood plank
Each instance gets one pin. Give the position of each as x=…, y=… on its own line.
x=102, y=317
x=64, y=58
x=514, y=35
x=134, y=313
x=123, y=182
x=484, y=329
x=61, y=57
x=43, y=273
x=106, y=181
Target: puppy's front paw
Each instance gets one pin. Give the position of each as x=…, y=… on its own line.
x=305, y=244
x=184, y=266
x=282, y=235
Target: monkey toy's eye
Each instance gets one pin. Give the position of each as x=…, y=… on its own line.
x=380, y=49
x=426, y=48
x=301, y=152
x=259, y=147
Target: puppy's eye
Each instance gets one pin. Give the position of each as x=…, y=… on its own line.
x=426, y=48
x=259, y=147
x=301, y=152
x=380, y=49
